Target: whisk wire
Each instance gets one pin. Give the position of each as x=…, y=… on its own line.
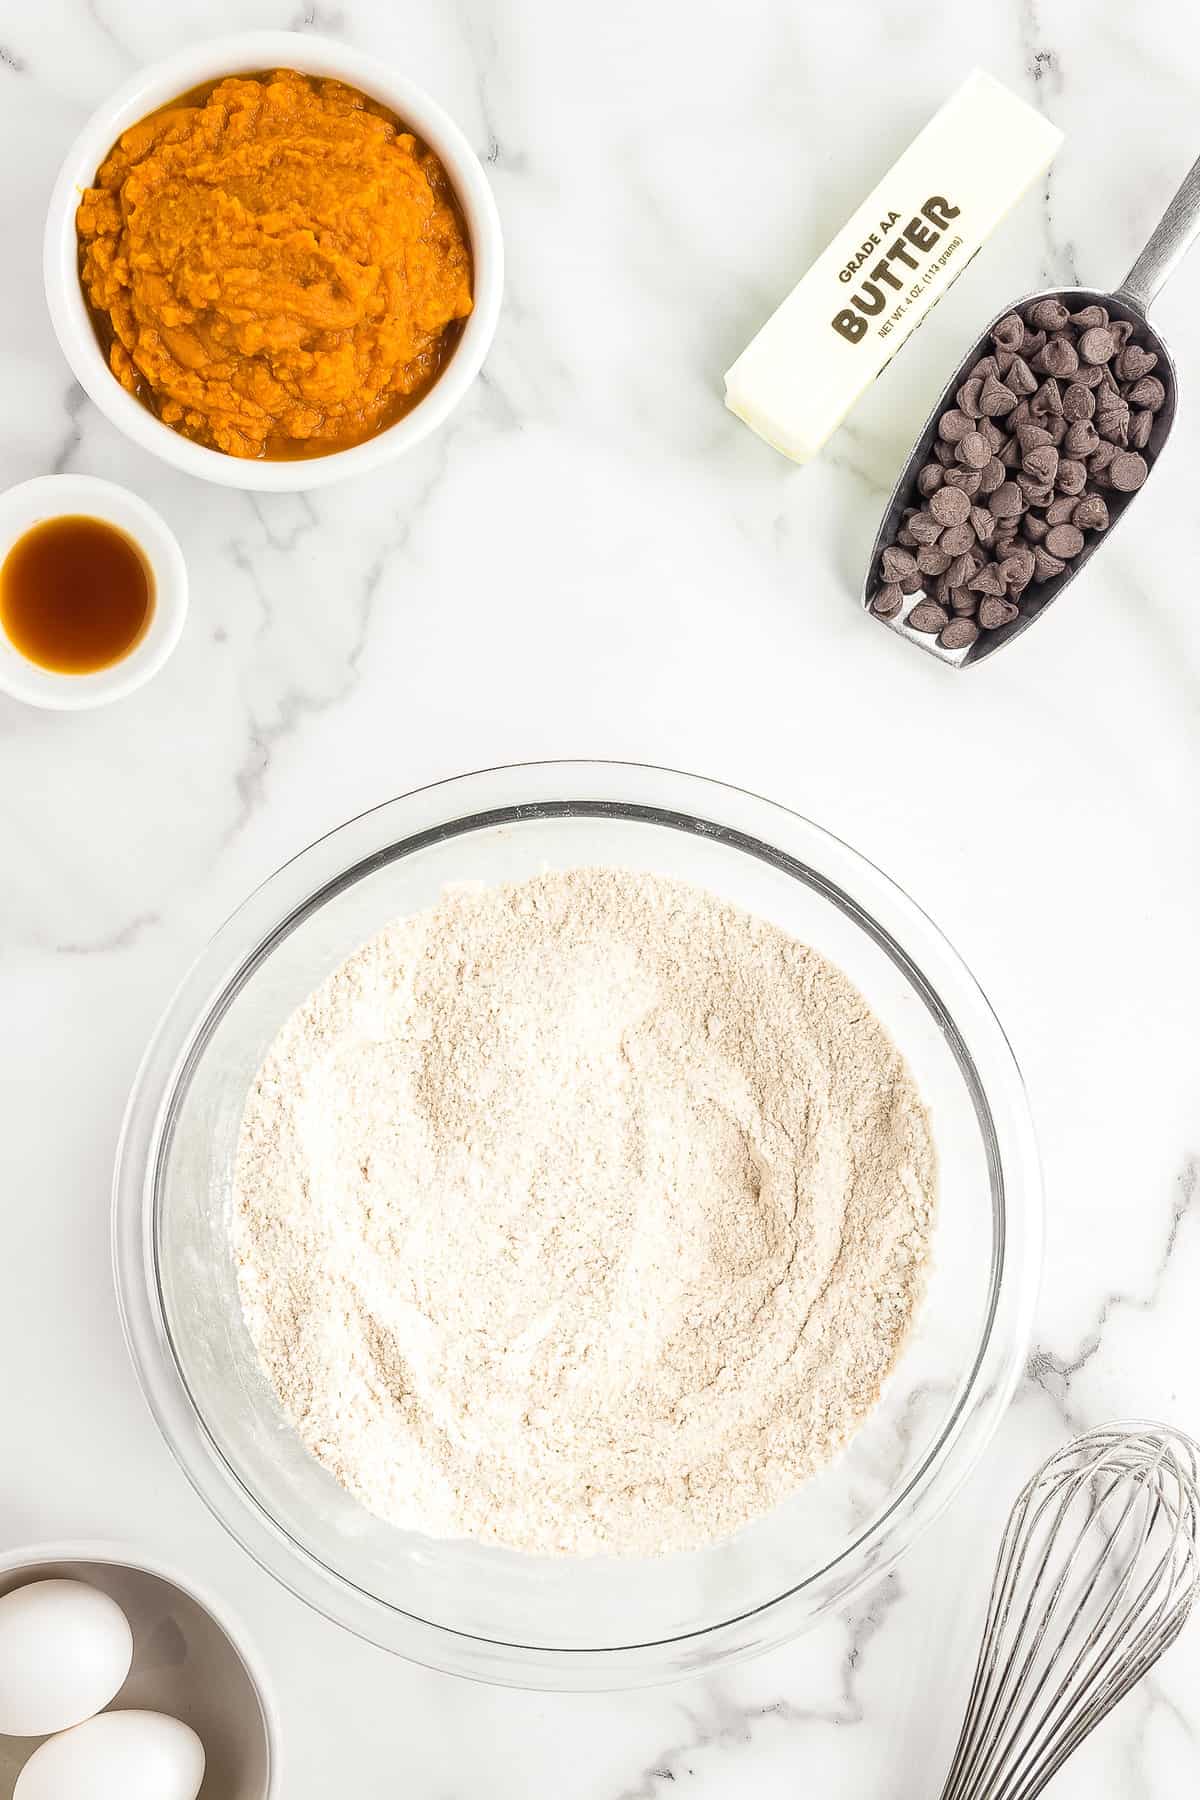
x=997, y=1726
x=1097, y=1571
x=1142, y=1649
x=1088, y=1668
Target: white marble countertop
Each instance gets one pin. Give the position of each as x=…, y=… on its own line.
x=594, y=559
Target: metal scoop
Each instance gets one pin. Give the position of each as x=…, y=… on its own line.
x=1169, y=243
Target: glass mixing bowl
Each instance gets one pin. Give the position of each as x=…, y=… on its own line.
x=494, y=1614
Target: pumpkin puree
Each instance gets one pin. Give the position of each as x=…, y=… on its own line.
x=275, y=266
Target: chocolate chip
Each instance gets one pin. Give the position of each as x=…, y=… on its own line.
x=1081, y=439
x=967, y=397
x=928, y=616
x=996, y=399
x=949, y=506
x=1100, y=459
x=1078, y=402
x=1140, y=427
x=1091, y=514
x=1009, y=331
x=1128, y=471
x=1041, y=461
x=898, y=563
x=1133, y=362
x=974, y=450
x=954, y=425
x=1054, y=416
x=987, y=580
x=1045, y=564
x=1032, y=437
x=1006, y=502
x=1021, y=378
x=924, y=527
x=887, y=601
x=958, y=634
x=1065, y=541
x=1059, y=358
x=957, y=540
x=1017, y=568
x=1071, y=477
x=1148, y=392
x=1113, y=422
x=1048, y=315
x=991, y=476
x=994, y=613
x=983, y=523
x=1097, y=345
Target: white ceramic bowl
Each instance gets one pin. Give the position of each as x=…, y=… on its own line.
x=189, y=1660
x=50, y=497
x=241, y=54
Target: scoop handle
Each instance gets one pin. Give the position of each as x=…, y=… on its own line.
x=1169, y=243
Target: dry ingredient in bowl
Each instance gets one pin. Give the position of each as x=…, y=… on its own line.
x=274, y=265
x=585, y=1214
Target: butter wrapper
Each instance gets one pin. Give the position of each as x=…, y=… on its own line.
x=873, y=285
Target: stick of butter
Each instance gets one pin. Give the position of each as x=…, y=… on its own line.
x=873, y=285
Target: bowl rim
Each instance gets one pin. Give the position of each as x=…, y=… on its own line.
x=440, y=807
x=126, y=1556
x=231, y=54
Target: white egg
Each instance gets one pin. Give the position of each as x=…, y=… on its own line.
x=118, y=1756
x=65, y=1649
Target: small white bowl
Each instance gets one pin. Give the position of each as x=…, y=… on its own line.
x=52, y=497
x=189, y=1660
x=240, y=54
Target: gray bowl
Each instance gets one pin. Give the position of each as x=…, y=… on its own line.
x=187, y=1661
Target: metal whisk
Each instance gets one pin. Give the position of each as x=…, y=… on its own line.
x=1097, y=1571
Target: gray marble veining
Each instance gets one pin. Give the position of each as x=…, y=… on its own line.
x=595, y=559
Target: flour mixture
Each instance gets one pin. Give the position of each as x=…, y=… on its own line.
x=586, y=1214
